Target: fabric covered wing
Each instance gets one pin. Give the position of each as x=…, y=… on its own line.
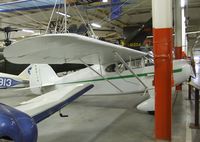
x=66, y=48
x=45, y=105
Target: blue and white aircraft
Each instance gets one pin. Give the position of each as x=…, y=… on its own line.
x=8, y=81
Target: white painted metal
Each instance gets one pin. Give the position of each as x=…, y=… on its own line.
x=184, y=36
x=126, y=84
x=147, y=104
x=50, y=99
x=41, y=75
x=127, y=66
x=102, y=76
x=66, y=48
x=125, y=81
x=178, y=24
x=160, y=8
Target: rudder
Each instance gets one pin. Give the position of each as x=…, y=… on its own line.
x=41, y=75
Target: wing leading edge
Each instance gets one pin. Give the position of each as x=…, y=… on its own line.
x=66, y=48
x=44, y=106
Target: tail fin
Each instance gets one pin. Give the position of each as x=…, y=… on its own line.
x=41, y=75
x=26, y=73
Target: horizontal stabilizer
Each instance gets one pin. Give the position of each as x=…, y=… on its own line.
x=45, y=105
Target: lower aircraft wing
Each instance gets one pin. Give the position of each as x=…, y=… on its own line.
x=19, y=124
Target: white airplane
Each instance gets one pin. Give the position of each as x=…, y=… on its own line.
x=110, y=74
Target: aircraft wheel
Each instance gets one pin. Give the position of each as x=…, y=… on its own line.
x=151, y=112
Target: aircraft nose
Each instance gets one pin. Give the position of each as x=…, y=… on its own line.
x=188, y=70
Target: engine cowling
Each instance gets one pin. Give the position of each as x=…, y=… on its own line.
x=17, y=125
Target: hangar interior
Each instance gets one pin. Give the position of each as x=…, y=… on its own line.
x=100, y=117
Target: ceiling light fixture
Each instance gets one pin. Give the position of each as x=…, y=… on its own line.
x=96, y=25
x=63, y=14
x=194, y=32
x=35, y=34
x=183, y=3
x=104, y=0
x=27, y=31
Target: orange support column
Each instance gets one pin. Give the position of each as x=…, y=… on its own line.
x=163, y=82
x=178, y=52
x=162, y=43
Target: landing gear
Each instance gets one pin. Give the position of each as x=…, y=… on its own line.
x=151, y=112
x=63, y=115
x=6, y=139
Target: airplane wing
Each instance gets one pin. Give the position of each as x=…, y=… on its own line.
x=67, y=48
x=45, y=105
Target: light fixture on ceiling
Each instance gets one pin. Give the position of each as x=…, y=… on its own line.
x=104, y=0
x=183, y=3
x=35, y=34
x=27, y=31
x=63, y=14
x=96, y=25
x=194, y=32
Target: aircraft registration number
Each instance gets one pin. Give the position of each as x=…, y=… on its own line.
x=5, y=82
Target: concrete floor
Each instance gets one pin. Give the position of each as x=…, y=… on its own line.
x=107, y=119
x=195, y=133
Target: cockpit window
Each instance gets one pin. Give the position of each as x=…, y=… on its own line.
x=119, y=67
x=115, y=68
x=110, y=68
x=137, y=63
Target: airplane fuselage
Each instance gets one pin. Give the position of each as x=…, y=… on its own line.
x=122, y=82
x=11, y=81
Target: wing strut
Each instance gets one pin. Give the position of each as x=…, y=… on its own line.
x=101, y=76
x=127, y=66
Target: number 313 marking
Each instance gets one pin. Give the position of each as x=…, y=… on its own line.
x=5, y=82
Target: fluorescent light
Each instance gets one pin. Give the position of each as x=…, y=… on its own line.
x=96, y=25
x=104, y=0
x=184, y=38
x=194, y=32
x=63, y=14
x=27, y=31
x=35, y=34
x=14, y=40
x=183, y=2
